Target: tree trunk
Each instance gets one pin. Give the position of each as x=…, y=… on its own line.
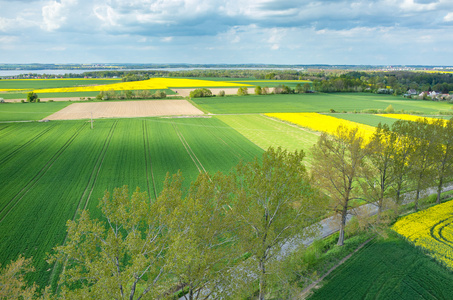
x=344, y=213
x=262, y=275
x=439, y=190
x=417, y=196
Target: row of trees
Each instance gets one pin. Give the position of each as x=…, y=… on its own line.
x=143, y=94
x=407, y=156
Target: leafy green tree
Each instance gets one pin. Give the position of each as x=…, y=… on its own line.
x=306, y=87
x=32, y=97
x=273, y=202
x=402, y=163
x=422, y=158
x=338, y=162
x=116, y=258
x=202, y=237
x=12, y=280
x=199, y=93
x=258, y=90
x=378, y=177
x=243, y=91
x=443, y=152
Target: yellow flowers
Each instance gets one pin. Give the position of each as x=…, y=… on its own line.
x=431, y=229
x=151, y=84
x=323, y=123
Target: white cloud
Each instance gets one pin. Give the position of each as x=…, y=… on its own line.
x=449, y=17
x=56, y=13
x=167, y=39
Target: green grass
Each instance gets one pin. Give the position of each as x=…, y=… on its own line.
x=29, y=111
x=51, y=83
x=266, y=132
x=388, y=269
x=367, y=119
x=317, y=102
x=52, y=170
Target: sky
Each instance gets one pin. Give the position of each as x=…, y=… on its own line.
x=374, y=32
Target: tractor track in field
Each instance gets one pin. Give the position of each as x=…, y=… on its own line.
x=148, y=161
x=1, y=129
x=33, y=181
x=89, y=187
x=10, y=155
x=96, y=169
x=189, y=150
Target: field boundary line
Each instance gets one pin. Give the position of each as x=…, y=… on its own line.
x=308, y=289
x=148, y=160
x=37, y=136
x=39, y=175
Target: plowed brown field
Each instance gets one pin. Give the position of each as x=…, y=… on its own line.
x=126, y=109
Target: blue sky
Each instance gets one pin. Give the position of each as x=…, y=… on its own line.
x=376, y=32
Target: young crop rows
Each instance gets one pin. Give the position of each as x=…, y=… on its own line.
x=51, y=171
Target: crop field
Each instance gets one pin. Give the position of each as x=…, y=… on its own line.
x=432, y=230
x=323, y=123
x=267, y=132
x=50, y=171
x=367, y=119
x=126, y=109
x=32, y=84
x=387, y=269
x=29, y=111
x=317, y=102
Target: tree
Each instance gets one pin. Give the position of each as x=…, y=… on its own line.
x=258, y=90
x=402, y=163
x=273, y=203
x=12, y=282
x=116, y=258
x=201, y=237
x=306, y=87
x=422, y=158
x=379, y=177
x=243, y=91
x=443, y=153
x=32, y=97
x=338, y=162
x=199, y=93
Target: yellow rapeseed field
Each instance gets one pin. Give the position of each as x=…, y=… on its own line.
x=151, y=84
x=431, y=229
x=319, y=122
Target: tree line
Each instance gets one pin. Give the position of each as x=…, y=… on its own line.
x=224, y=231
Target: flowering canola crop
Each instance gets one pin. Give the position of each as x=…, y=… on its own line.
x=431, y=229
x=150, y=84
x=323, y=123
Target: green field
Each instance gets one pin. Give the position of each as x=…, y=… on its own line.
x=52, y=170
x=51, y=83
x=367, y=119
x=317, y=102
x=388, y=269
x=267, y=132
x=29, y=111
